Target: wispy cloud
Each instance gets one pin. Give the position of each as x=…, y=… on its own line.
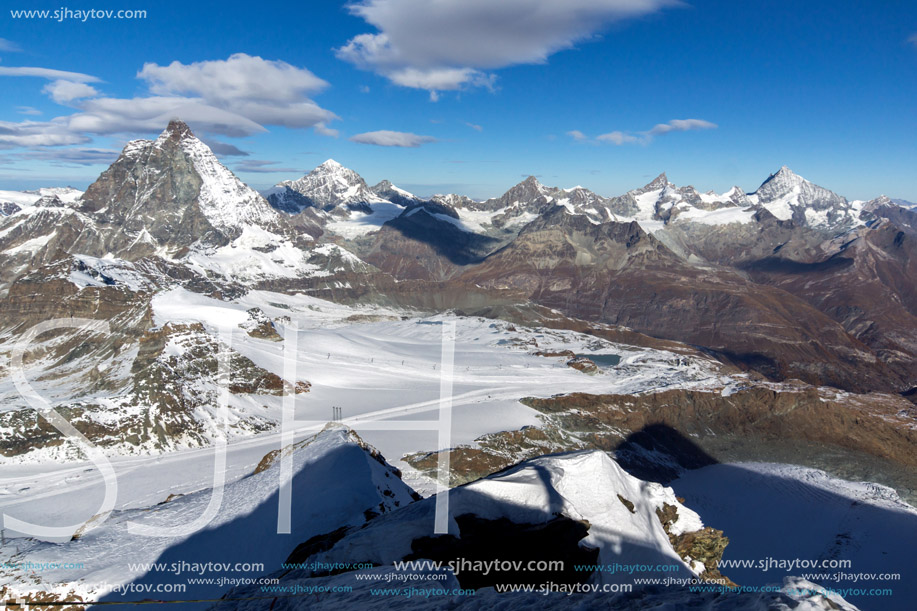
x=74, y=156
x=224, y=149
x=453, y=44
x=48, y=73
x=475, y=127
x=619, y=138
x=27, y=110
x=39, y=133
x=9, y=46
x=681, y=125
x=261, y=166
x=390, y=138
x=577, y=135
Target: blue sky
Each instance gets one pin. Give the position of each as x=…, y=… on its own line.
x=601, y=93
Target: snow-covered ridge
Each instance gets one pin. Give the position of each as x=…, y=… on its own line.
x=348, y=472
x=585, y=486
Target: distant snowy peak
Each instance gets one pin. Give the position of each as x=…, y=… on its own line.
x=788, y=195
x=453, y=200
x=657, y=184
x=14, y=201
x=387, y=191
x=330, y=187
x=528, y=196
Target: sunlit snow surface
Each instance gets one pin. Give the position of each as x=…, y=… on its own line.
x=373, y=362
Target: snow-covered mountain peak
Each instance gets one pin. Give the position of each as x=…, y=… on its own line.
x=788, y=195
x=170, y=193
x=388, y=191
x=525, y=192
x=784, y=178
x=328, y=187
x=336, y=171
x=532, y=181
x=330, y=165
x=660, y=182
x=176, y=130
x=226, y=201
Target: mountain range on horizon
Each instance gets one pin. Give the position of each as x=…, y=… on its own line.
x=771, y=280
x=604, y=347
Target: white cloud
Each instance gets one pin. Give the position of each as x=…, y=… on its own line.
x=63, y=92
x=324, y=130
x=266, y=91
x=27, y=110
x=106, y=116
x=224, y=149
x=9, y=46
x=577, y=135
x=450, y=44
x=48, y=73
x=475, y=127
x=38, y=133
x=389, y=138
x=262, y=166
x=75, y=156
x=681, y=125
x=235, y=97
x=241, y=77
x=619, y=138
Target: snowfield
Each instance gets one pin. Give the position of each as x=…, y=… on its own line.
x=788, y=512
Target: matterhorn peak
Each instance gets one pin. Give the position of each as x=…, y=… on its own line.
x=157, y=186
x=176, y=130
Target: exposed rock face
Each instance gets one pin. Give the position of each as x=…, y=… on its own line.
x=635, y=428
x=705, y=546
x=862, y=282
x=421, y=245
x=583, y=364
x=168, y=380
x=616, y=273
x=259, y=325
x=170, y=193
x=8, y=208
